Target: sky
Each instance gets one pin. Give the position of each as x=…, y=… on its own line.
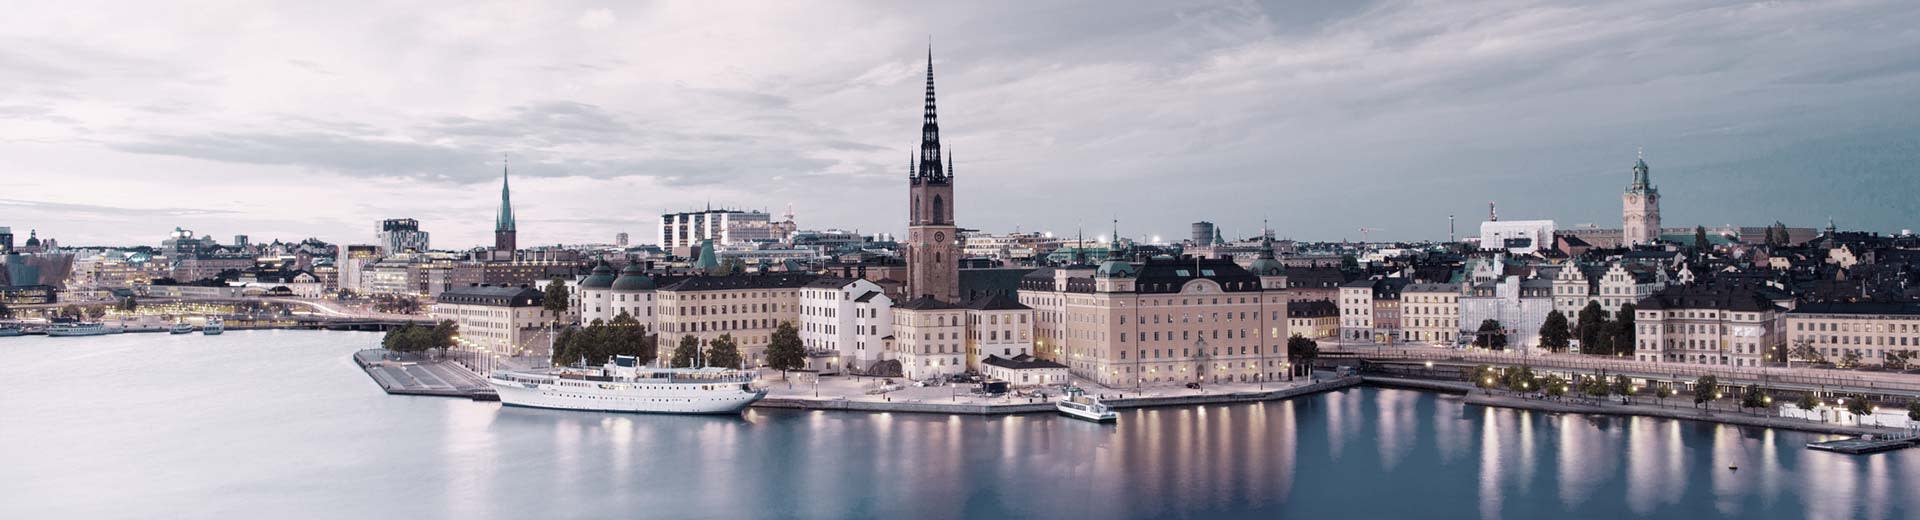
x=122, y=120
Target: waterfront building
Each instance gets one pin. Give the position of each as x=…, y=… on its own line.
x=1520, y=237
x=1313, y=319
x=1870, y=330
x=506, y=320
x=204, y=265
x=603, y=296
x=998, y=325
x=1431, y=312
x=1160, y=321
x=1370, y=309
x=747, y=306
x=929, y=337
x=1640, y=208
x=847, y=317
x=1521, y=305
x=1610, y=285
x=1723, y=324
x=400, y=235
x=681, y=233
x=1025, y=371
x=1313, y=281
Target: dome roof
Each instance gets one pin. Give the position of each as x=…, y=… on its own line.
x=1267, y=267
x=1114, y=268
x=601, y=278
x=633, y=278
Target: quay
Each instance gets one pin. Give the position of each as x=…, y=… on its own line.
x=1865, y=444
x=1009, y=405
x=439, y=378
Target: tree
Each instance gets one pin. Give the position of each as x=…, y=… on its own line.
x=556, y=299
x=723, y=352
x=1754, y=397
x=1778, y=235
x=1804, y=350
x=1849, y=359
x=1302, y=350
x=1621, y=335
x=1554, y=385
x=686, y=353
x=441, y=336
x=1913, y=410
x=1592, y=319
x=1484, y=376
x=71, y=311
x=1348, y=263
x=784, y=350
x=1859, y=406
x=1700, y=243
x=1897, y=359
x=127, y=305
x=1662, y=391
x=1554, y=334
x=1623, y=385
x=1595, y=386
x=5, y=313
x=1491, y=336
x=1705, y=390
x=626, y=336
x=1808, y=401
x=1521, y=379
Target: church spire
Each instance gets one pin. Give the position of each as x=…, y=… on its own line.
x=504, y=220
x=930, y=167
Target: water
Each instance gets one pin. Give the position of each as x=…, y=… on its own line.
x=280, y=424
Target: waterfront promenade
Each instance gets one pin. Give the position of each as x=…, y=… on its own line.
x=1781, y=378
x=439, y=377
x=869, y=394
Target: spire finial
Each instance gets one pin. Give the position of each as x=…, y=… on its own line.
x=1641, y=153
x=949, y=163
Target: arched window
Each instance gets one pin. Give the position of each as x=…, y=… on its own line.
x=916, y=208
x=939, y=210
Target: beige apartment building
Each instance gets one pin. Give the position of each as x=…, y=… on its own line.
x=1430, y=313
x=1162, y=321
x=929, y=338
x=1723, y=325
x=748, y=307
x=1869, y=330
x=506, y=320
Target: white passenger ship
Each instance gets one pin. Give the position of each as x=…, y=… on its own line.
x=620, y=386
x=77, y=328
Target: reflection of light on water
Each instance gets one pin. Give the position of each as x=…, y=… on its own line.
x=1527, y=463
x=1395, y=415
x=1877, y=487
x=1728, y=485
x=1834, y=494
x=1287, y=438
x=1577, y=451
x=1337, y=421
x=1490, y=466
x=1643, y=472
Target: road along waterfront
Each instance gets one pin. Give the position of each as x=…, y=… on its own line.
x=282, y=424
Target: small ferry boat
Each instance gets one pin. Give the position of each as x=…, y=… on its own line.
x=77, y=328
x=181, y=328
x=622, y=386
x=214, y=327
x=11, y=330
x=1078, y=405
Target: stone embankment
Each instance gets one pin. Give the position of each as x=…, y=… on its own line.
x=1025, y=405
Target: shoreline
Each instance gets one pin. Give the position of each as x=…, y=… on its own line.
x=1513, y=402
x=1046, y=406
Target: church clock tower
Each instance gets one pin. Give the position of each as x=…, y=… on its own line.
x=932, y=248
x=1640, y=214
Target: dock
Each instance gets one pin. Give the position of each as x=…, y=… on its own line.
x=1865, y=444
x=438, y=378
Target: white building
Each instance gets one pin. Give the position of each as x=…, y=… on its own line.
x=495, y=319
x=1520, y=305
x=603, y=296
x=680, y=231
x=1024, y=370
x=1520, y=237
x=847, y=317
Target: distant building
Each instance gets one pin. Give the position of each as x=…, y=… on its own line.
x=505, y=232
x=1520, y=237
x=682, y=232
x=399, y=235
x=620, y=239
x=1640, y=212
x=1203, y=232
x=6, y=240
x=241, y=241
x=1520, y=305
x=352, y=264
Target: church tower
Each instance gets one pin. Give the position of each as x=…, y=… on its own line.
x=1640, y=213
x=932, y=248
x=503, y=228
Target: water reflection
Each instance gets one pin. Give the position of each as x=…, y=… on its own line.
x=330, y=448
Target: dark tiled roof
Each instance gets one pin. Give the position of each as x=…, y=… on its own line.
x=1312, y=309
x=864, y=298
x=1718, y=297
x=925, y=303
x=495, y=295
x=997, y=302
x=1906, y=308
x=741, y=281
x=1021, y=362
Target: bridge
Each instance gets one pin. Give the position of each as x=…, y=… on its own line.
x=1885, y=385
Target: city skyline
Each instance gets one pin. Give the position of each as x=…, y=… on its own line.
x=1158, y=116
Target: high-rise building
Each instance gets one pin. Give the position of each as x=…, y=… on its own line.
x=504, y=234
x=683, y=232
x=6, y=239
x=932, y=248
x=1641, y=208
x=620, y=239
x=1202, y=233
x=241, y=241
x=398, y=235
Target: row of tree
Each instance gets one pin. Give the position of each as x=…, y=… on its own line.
x=1599, y=335
x=1706, y=389
x=599, y=341
x=1804, y=350
x=411, y=338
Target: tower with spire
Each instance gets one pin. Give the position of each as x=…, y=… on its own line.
x=933, y=243
x=503, y=227
x=1640, y=208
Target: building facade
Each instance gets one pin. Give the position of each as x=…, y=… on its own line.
x=496, y=319
x=399, y=235
x=932, y=248
x=747, y=307
x=848, y=317
x=682, y=232
x=1640, y=208
x=1431, y=313
x=1869, y=331
x=1708, y=324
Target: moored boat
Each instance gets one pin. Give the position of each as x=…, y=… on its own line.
x=214, y=327
x=77, y=328
x=622, y=386
x=181, y=328
x=11, y=330
x=1077, y=404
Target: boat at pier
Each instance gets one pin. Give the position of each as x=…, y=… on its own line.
x=181, y=328
x=77, y=328
x=11, y=330
x=214, y=327
x=1078, y=405
x=622, y=386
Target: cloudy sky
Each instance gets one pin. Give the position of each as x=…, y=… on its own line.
x=120, y=120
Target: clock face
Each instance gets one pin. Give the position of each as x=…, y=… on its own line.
x=939, y=236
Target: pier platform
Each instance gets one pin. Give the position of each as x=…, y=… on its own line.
x=440, y=378
x=1864, y=445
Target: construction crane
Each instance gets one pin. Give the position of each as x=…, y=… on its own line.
x=1365, y=233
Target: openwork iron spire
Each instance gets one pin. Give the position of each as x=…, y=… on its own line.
x=930, y=167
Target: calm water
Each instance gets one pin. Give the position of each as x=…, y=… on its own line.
x=280, y=424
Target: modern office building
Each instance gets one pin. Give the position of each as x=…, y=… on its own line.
x=400, y=235
x=681, y=233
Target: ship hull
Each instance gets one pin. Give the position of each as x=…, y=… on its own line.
x=629, y=397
